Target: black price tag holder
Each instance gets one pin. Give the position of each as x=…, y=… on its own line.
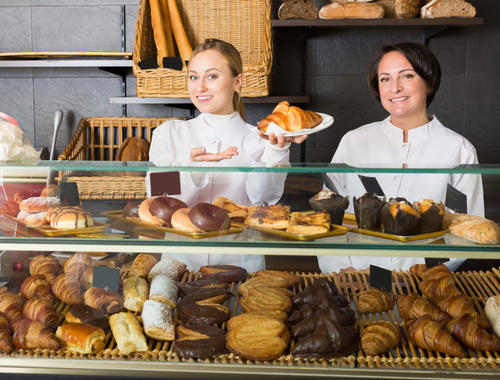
x=106, y=278
x=434, y=261
x=163, y=183
x=67, y=192
x=371, y=185
x=380, y=278
x=148, y=64
x=456, y=200
x=173, y=63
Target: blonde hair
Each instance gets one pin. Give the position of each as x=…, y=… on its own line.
x=233, y=60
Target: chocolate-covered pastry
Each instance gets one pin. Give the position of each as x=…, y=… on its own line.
x=306, y=296
x=164, y=208
x=204, y=307
x=367, y=211
x=197, y=341
x=226, y=273
x=131, y=211
x=331, y=202
x=88, y=315
x=431, y=216
x=344, y=316
x=193, y=286
x=321, y=301
x=399, y=218
x=328, y=340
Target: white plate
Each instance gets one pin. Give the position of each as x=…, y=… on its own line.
x=327, y=121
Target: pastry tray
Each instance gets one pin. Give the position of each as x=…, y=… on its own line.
x=29, y=230
x=335, y=230
x=159, y=232
x=350, y=220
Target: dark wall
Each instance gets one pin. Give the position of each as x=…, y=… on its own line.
x=468, y=101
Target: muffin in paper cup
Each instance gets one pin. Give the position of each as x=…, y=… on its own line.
x=332, y=203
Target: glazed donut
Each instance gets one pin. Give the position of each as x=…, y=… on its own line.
x=159, y=210
x=36, y=218
x=10, y=207
x=208, y=217
x=180, y=221
x=38, y=204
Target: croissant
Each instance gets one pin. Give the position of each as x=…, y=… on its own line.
x=67, y=289
x=41, y=310
x=37, y=286
x=290, y=119
x=5, y=334
x=46, y=265
x=12, y=306
x=457, y=306
x=418, y=269
x=107, y=301
x=4, y=289
x=428, y=335
x=414, y=306
x=375, y=301
x=78, y=264
x=444, y=286
x=379, y=337
x=33, y=334
x=10, y=207
x=467, y=332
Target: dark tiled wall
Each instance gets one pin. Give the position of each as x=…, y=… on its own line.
x=468, y=101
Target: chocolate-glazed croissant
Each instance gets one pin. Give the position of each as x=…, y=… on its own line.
x=106, y=301
x=343, y=316
x=321, y=301
x=306, y=296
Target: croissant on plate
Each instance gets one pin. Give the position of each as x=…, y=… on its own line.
x=46, y=265
x=467, y=332
x=37, y=286
x=5, y=334
x=12, y=306
x=66, y=288
x=379, y=337
x=41, y=310
x=78, y=264
x=457, y=306
x=428, y=335
x=414, y=306
x=442, y=287
x=33, y=334
x=375, y=301
x=107, y=301
x=290, y=119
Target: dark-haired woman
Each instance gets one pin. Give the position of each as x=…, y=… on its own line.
x=405, y=78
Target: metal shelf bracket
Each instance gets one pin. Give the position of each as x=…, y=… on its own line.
x=432, y=31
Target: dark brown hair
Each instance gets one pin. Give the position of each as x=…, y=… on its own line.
x=234, y=61
x=421, y=58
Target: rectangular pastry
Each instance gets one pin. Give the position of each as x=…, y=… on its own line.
x=309, y=223
x=164, y=290
x=128, y=333
x=135, y=293
x=158, y=320
x=142, y=265
x=80, y=337
x=167, y=266
x=275, y=216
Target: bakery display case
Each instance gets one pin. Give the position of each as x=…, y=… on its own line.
x=115, y=239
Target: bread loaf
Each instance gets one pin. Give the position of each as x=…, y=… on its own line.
x=407, y=8
x=337, y=10
x=447, y=8
x=298, y=9
x=133, y=149
x=473, y=228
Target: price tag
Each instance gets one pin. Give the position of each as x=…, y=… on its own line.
x=106, y=278
x=174, y=63
x=371, y=185
x=380, y=278
x=163, y=183
x=432, y=261
x=68, y=194
x=148, y=64
x=456, y=200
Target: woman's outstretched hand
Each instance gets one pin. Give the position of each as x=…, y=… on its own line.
x=281, y=140
x=201, y=155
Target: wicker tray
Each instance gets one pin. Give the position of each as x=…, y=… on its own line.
x=478, y=285
x=98, y=139
x=245, y=23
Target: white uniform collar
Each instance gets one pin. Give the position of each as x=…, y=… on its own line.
x=414, y=134
x=216, y=120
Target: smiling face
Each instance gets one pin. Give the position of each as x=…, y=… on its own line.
x=211, y=85
x=403, y=92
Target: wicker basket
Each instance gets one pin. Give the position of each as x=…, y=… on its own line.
x=244, y=23
x=98, y=139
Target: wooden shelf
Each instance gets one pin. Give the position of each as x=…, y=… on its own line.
x=175, y=101
x=380, y=23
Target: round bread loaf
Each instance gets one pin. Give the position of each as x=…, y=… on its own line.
x=69, y=217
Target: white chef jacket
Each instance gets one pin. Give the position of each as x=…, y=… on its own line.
x=381, y=144
x=171, y=145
